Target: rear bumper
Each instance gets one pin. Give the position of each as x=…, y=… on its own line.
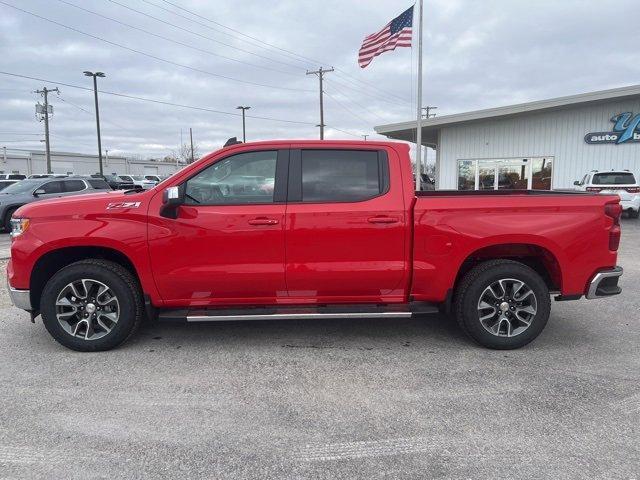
x=605, y=283
x=630, y=204
x=20, y=298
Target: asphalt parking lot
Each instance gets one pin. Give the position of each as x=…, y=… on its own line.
x=329, y=400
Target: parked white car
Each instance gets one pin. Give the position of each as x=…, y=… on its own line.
x=139, y=181
x=620, y=182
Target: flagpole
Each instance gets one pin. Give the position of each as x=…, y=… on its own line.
x=419, y=106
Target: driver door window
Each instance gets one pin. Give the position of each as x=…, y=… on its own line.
x=52, y=188
x=245, y=178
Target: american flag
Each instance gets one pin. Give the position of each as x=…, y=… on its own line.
x=396, y=33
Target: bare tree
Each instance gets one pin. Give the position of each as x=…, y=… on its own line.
x=184, y=153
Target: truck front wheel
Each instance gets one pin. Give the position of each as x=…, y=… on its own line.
x=502, y=304
x=92, y=305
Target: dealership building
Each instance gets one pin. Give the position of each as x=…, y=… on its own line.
x=544, y=144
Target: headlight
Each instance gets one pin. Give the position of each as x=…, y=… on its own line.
x=19, y=226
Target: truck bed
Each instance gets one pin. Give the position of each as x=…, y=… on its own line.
x=568, y=229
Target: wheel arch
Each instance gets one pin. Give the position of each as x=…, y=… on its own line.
x=54, y=260
x=539, y=258
x=8, y=211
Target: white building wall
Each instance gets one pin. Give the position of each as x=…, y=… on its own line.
x=559, y=134
x=27, y=163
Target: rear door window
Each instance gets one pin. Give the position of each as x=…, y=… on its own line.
x=74, y=185
x=99, y=184
x=614, y=178
x=343, y=175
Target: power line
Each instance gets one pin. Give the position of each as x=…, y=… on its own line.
x=341, y=72
x=21, y=133
x=359, y=89
x=344, y=131
x=152, y=100
x=164, y=60
x=200, y=35
x=172, y=40
x=344, y=107
x=261, y=44
x=92, y=114
x=362, y=107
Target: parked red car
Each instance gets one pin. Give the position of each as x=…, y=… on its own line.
x=341, y=234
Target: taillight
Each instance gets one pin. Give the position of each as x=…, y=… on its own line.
x=633, y=190
x=593, y=189
x=614, y=211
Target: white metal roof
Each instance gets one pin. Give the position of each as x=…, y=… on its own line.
x=399, y=130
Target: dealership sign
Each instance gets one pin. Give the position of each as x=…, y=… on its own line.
x=626, y=129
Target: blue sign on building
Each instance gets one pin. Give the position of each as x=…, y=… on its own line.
x=626, y=129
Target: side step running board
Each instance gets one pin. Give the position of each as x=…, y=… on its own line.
x=294, y=313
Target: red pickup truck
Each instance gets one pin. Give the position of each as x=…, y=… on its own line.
x=308, y=229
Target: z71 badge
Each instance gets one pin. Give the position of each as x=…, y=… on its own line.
x=113, y=205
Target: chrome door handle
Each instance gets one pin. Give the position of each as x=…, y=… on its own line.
x=383, y=219
x=263, y=221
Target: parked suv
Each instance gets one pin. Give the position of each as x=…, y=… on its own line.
x=115, y=182
x=139, y=181
x=617, y=182
x=31, y=190
x=12, y=176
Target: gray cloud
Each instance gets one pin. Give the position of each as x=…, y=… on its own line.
x=477, y=55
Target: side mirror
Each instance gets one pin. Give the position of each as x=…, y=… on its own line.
x=576, y=183
x=38, y=192
x=172, y=198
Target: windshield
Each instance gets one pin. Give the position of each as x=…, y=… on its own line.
x=614, y=178
x=138, y=177
x=23, y=186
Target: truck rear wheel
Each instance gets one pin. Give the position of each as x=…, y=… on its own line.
x=502, y=304
x=92, y=305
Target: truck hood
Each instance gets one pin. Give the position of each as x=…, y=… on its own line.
x=90, y=203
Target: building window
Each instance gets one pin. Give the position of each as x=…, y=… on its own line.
x=467, y=175
x=542, y=169
x=506, y=174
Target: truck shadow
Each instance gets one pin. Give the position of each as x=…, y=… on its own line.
x=340, y=334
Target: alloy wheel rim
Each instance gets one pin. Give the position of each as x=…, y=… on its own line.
x=87, y=309
x=507, y=307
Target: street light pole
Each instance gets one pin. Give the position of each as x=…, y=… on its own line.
x=244, y=129
x=95, y=96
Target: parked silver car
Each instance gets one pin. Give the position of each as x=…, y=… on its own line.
x=32, y=190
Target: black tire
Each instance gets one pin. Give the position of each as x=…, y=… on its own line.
x=120, y=281
x=634, y=213
x=470, y=292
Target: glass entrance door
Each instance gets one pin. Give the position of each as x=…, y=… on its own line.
x=513, y=175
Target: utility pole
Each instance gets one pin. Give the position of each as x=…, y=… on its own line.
x=191, y=137
x=244, y=128
x=427, y=112
x=320, y=73
x=45, y=112
x=95, y=96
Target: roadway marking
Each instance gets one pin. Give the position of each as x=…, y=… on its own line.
x=27, y=455
x=363, y=449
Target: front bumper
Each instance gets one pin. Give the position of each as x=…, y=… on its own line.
x=20, y=298
x=605, y=283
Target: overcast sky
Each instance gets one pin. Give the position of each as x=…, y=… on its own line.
x=476, y=55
